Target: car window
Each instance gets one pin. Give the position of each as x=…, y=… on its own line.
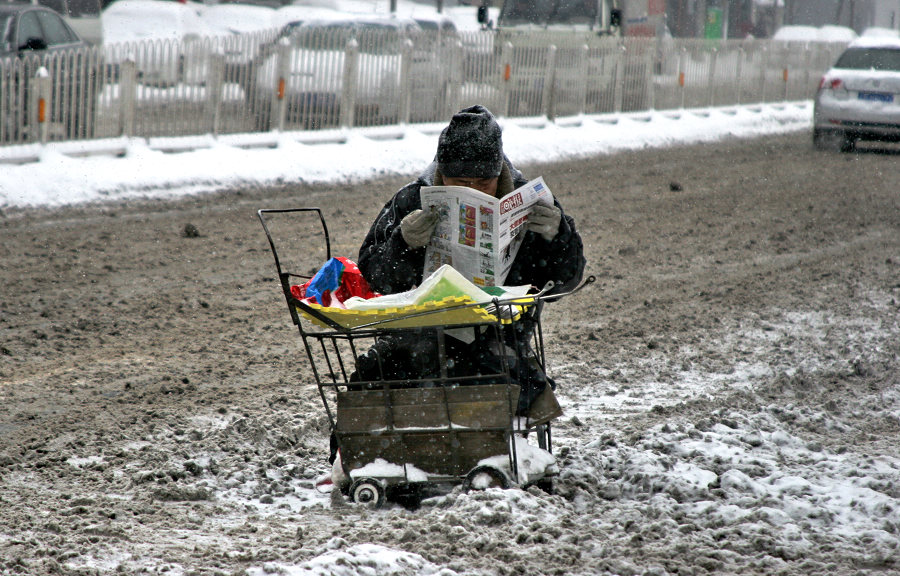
x=55, y=30
x=330, y=37
x=81, y=8
x=379, y=39
x=74, y=8
x=429, y=25
x=870, y=59
x=372, y=37
x=574, y=11
x=29, y=28
x=6, y=23
x=56, y=5
x=525, y=12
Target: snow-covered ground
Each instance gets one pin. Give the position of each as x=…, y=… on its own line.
x=768, y=484
x=746, y=472
x=65, y=178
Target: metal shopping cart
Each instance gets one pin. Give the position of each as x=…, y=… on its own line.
x=401, y=431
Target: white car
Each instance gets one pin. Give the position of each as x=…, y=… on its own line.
x=879, y=32
x=859, y=97
x=168, y=41
x=809, y=34
x=241, y=30
x=313, y=85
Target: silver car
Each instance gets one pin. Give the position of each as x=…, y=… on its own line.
x=859, y=97
x=315, y=69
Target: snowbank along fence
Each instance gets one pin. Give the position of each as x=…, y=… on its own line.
x=289, y=80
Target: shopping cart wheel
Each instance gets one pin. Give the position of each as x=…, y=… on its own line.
x=547, y=485
x=484, y=477
x=368, y=492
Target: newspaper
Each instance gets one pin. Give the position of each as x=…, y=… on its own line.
x=477, y=234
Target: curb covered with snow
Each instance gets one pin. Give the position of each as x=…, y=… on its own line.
x=75, y=172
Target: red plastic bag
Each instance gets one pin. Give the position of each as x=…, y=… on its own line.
x=335, y=282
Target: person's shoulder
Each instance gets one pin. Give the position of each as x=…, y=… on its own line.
x=518, y=178
x=426, y=178
x=407, y=198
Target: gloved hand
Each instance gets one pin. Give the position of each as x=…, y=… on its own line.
x=544, y=220
x=417, y=226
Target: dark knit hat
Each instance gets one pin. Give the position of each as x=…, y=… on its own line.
x=470, y=146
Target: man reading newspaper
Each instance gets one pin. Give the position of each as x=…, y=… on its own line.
x=393, y=256
x=480, y=235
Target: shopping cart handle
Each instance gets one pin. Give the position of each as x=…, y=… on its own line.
x=543, y=294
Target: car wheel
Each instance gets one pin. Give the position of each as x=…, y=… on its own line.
x=848, y=144
x=829, y=140
x=547, y=485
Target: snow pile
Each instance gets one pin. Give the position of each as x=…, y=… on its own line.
x=236, y=161
x=359, y=560
x=744, y=483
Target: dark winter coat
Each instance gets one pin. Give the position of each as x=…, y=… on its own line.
x=391, y=266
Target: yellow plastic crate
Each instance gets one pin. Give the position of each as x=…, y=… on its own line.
x=449, y=311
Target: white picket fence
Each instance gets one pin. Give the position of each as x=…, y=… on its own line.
x=265, y=81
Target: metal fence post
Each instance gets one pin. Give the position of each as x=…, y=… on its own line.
x=455, y=81
x=620, y=79
x=349, y=84
x=583, y=81
x=44, y=104
x=284, y=75
x=764, y=64
x=405, y=85
x=214, y=91
x=711, y=78
x=649, y=82
x=505, y=76
x=682, y=66
x=739, y=73
x=548, y=94
x=785, y=76
x=127, y=87
x=807, y=64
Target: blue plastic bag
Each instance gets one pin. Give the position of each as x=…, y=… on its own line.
x=327, y=279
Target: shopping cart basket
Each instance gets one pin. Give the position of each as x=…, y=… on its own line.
x=438, y=424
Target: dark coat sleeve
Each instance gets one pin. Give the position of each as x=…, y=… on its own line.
x=386, y=261
x=391, y=266
x=560, y=260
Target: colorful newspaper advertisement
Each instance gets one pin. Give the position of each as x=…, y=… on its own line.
x=477, y=234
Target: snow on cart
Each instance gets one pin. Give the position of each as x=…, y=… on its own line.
x=406, y=414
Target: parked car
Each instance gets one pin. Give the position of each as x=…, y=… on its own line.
x=232, y=18
x=859, y=97
x=168, y=41
x=295, y=14
x=877, y=31
x=314, y=84
x=37, y=41
x=443, y=28
x=809, y=34
x=242, y=29
x=439, y=77
x=82, y=15
x=28, y=28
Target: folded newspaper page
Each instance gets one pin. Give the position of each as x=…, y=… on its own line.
x=477, y=234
